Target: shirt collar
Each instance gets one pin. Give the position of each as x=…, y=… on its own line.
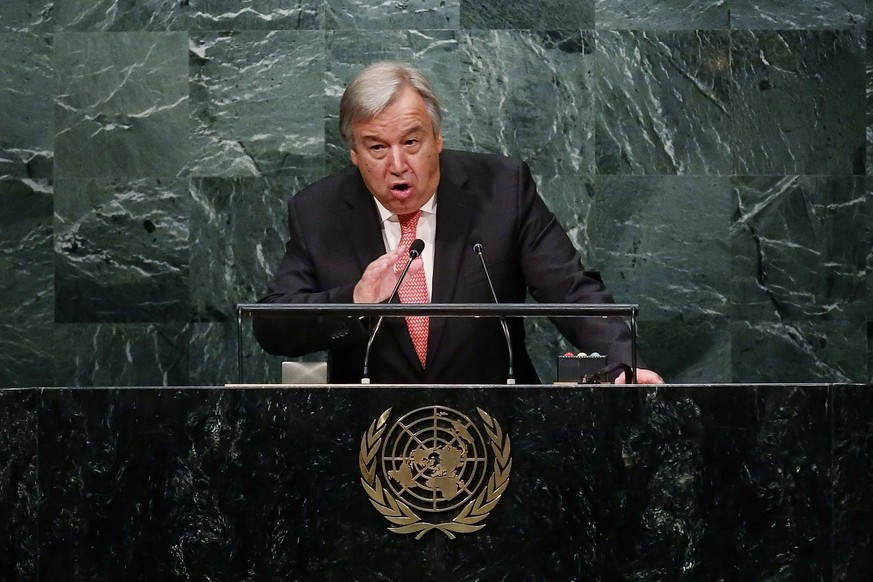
x=428, y=207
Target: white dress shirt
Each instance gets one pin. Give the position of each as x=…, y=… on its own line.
x=426, y=231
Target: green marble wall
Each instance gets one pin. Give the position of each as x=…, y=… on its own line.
x=708, y=156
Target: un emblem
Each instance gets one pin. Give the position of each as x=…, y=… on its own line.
x=435, y=460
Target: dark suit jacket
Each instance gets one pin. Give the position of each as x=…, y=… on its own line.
x=334, y=235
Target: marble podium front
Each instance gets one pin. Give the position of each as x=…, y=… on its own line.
x=677, y=482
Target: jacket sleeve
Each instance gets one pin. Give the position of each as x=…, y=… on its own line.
x=297, y=280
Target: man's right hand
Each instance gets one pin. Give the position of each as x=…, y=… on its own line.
x=379, y=278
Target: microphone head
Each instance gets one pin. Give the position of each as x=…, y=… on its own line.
x=416, y=248
x=477, y=248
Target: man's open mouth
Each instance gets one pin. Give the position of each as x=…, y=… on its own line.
x=401, y=187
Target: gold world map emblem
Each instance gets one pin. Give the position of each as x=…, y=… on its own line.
x=435, y=460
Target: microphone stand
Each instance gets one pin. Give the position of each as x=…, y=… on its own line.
x=510, y=378
x=415, y=250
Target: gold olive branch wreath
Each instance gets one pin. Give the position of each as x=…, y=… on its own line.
x=400, y=514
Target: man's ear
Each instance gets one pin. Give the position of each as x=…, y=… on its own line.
x=354, y=155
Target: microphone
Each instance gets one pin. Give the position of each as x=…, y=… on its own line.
x=415, y=250
x=477, y=248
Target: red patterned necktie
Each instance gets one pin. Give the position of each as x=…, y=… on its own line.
x=414, y=288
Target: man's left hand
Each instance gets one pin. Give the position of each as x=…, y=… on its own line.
x=643, y=377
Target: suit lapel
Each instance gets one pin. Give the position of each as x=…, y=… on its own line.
x=361, y=221
x=455, y=208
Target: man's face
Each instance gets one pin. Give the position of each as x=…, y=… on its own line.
x=398, y=154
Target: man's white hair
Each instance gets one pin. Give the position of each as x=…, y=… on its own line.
x=376, y=87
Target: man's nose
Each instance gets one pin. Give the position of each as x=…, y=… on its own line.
x=397, y=160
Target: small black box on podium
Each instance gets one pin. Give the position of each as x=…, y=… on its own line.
x=574, y=369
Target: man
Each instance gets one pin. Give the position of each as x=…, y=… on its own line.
x=403, y=185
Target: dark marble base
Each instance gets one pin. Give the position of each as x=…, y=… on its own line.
x=607, y=483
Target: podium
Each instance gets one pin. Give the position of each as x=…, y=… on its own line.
x=607, y=482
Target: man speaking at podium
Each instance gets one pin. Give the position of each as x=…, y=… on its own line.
x=350, y=239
